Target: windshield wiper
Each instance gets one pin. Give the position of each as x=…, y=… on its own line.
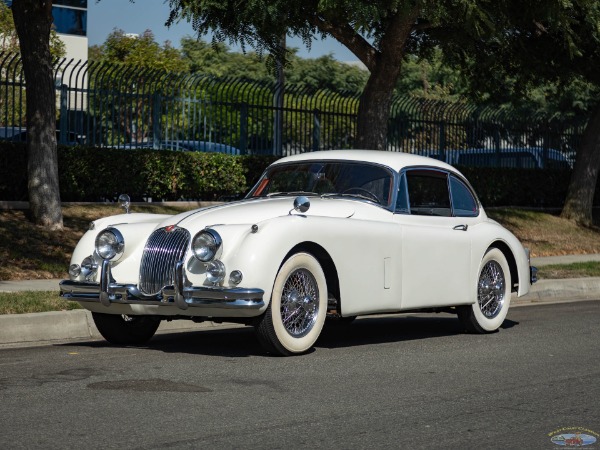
x=282, y=194
x=355, y=195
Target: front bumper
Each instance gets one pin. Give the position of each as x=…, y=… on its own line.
x=179, y=294
x=533, y=274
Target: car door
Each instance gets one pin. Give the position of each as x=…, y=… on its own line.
x=436, y=244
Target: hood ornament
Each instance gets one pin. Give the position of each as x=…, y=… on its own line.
x=301, y=204
x=125, y=202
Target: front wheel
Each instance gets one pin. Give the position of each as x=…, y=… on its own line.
x=493, y=295
x=296, y=314
x=125, y=330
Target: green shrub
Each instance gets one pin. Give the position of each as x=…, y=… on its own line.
x=97, y=174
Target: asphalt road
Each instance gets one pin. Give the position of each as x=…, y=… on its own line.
x=403, y=382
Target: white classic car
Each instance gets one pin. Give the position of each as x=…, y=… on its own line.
x=333, y=234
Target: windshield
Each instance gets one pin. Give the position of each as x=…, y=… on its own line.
x=327, y=179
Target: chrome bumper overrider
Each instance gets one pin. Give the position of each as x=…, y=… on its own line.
x=179, y=294
x=532, y=274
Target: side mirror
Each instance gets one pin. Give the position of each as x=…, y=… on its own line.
x=301, y=204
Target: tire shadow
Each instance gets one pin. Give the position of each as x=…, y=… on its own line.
x=242, y=342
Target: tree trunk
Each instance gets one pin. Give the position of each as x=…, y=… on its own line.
x=580, y=196
x=33, y=22
x=374, y=111
x=385, y=66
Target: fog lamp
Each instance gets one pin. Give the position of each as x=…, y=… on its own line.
x=235, y=277
x=74, y=271
x=215, y=271
x=89, y=267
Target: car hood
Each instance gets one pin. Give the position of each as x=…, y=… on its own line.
x=258, y=210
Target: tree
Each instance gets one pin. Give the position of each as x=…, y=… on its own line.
x=138, y=51
x=9, y=41
x=33, y=22
x=380, y=33
x=547, y=45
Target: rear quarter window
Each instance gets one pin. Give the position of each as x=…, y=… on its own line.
x=464, y=203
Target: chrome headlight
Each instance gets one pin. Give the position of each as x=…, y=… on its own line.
x=206, y=244
x=110, y=244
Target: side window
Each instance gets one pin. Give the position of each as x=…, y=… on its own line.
x=428, y=193
x=402, y=199
x=463, y=202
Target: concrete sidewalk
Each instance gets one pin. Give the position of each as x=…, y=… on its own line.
x=39, y=328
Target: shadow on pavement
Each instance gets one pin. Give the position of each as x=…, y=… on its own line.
x=241, y=342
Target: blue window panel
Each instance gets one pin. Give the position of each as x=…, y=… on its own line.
x=70, y=21
x=73, y=3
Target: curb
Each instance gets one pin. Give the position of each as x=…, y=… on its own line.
x=572, y=289
x=38, y=328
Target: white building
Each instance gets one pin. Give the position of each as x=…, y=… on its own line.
x=70, y=21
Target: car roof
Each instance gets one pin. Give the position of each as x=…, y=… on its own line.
x=394, y=160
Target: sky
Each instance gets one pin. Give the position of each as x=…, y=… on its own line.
x=106, y=15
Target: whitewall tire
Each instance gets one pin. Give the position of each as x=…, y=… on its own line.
x=494, y=287
x=296, y=314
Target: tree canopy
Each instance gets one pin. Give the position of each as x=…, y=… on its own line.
x=9, y=40
x=547, y=51
x=380, y=33
x=140, y=51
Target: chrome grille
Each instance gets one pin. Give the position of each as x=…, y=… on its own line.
x=163, y=249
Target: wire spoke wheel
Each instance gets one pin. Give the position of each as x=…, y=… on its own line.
x=299, y=303
x=491, y=289
x=493, y=295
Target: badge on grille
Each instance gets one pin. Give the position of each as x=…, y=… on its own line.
x=170, y=228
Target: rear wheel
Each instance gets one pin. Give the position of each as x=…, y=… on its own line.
x=121, y=329
x=296, y=313
x=493, y=295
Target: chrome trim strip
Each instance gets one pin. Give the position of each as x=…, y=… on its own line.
x=193, y=296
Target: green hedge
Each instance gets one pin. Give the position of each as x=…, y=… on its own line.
x=519, y=187
x=96, y=174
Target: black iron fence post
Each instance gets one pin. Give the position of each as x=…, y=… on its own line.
x=156, y=119
x=316, y=131
x=243, y=128
x=64, y=113
x=442, y=150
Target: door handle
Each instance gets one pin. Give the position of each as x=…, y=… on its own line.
x=461, y=227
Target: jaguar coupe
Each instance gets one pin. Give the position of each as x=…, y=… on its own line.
x=322, y=237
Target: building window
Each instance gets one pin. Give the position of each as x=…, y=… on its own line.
x=73, y=3
x=69, y=20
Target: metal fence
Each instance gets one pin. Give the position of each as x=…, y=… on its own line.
x=108, y=105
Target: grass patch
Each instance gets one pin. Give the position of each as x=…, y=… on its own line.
x=546, y=234
x=28, y=251
x=574, y=270
x=33, y=302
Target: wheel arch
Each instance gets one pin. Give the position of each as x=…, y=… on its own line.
x=512, y=262
x=327, y=264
